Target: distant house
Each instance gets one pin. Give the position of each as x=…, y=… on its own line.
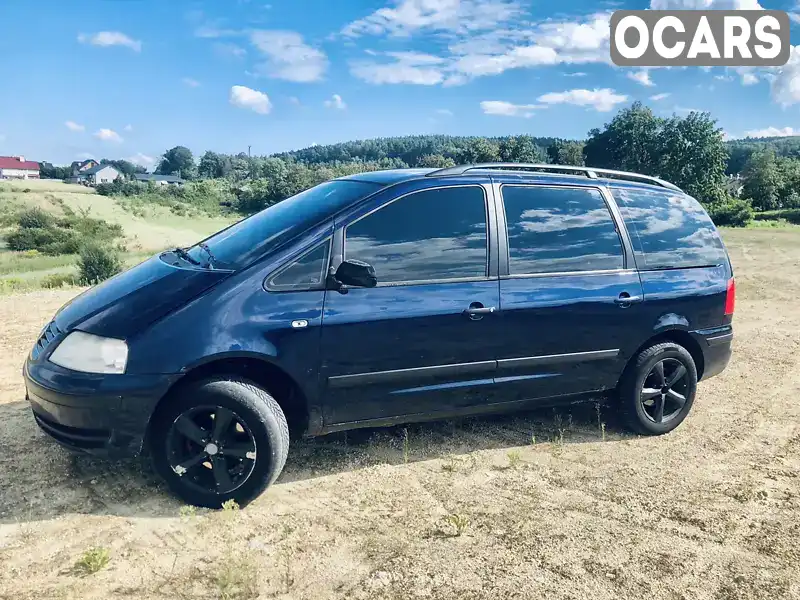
x=16, y=167
x=79, y=168
x=97, y=174
x=159, y=179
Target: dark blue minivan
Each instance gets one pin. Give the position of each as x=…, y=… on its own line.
x=391, y=297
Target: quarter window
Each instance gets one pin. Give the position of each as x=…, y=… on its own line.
x=428, y=235
x=555, y=230
x=305, y=273
x=669, y=230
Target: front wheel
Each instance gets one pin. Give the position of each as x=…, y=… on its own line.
x=658, y=389
x=218, y=440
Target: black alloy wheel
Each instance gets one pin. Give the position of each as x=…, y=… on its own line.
x=212, y=449
x=219, y=439
x=663, y=394
x=657, y=389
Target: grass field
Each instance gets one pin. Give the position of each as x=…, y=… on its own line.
x=148, y=229
x=549, y=504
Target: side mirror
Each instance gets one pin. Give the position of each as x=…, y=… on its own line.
x=356, y=273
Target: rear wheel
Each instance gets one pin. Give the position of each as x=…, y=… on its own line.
x=658, y=389
x=219, y=440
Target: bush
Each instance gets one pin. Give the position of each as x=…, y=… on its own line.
x=97, y=263
x=35, y=218
x=57, y=280
x=50, y=241
x=734, y=212
x=792, y=215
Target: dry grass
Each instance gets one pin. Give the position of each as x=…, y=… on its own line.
x=711, y=511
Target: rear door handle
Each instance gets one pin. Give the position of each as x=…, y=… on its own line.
x=476, y=311
x=625, y=299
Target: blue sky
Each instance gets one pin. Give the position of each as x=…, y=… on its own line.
x=131, y=78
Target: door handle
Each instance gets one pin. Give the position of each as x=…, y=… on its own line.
x=625, y=299
x=476, y=311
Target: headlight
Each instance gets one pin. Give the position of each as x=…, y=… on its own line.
x=89, y=353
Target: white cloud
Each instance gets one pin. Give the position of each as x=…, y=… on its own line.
x=84, y=155
x=229, y=50
x=244, y=97
x=507, y=109
x=190, y=82
x=408, y=16
x=786, y=82
x=705, y=4
x=336, y=102
x=772, y=132
x=73, y=126
x=795, y=17
x=212, y=31
x=143, y=160
x=578, y=74
x=294, y=100
x=658, y=97
x=724, y=77
x=128, y=127
x=642, y=77
x=749, y=79
x=602, y=100
x=444, y=112
x=108, y=135
x=407, y=67
x=110, y=38
x=288, y=57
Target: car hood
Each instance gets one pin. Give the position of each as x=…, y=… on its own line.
x=127, y=303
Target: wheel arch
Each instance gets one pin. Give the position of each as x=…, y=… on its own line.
x=678, y=336
x=275, y=380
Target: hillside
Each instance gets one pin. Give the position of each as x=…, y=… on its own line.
x=147, y=228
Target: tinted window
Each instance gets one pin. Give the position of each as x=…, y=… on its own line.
x=669, y=229
x=553, y=230
x=243, y=242
x=306, y=273
x=433, y=234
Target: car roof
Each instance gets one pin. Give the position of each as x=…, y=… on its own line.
x=394, y=176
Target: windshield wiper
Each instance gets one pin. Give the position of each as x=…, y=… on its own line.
x=211, y=259
x=185, y=256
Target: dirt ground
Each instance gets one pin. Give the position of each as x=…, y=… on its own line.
x=555, y=504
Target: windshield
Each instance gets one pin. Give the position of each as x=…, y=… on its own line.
x=243, y=242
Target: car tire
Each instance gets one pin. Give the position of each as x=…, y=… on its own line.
x=650, y=401
x=219, y=439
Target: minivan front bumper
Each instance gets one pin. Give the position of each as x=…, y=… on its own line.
x=105, y=415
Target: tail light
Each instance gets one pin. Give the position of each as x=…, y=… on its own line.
x=730, y=297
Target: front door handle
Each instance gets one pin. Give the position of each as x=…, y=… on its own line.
x=625, y=299
x=476, y=311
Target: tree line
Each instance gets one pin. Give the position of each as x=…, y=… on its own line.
x=689, y=151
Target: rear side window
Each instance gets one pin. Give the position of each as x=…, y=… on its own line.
x=669, y=230
x=428, y=235
x=558, y=230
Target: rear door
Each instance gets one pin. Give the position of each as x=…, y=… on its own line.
x=425, y=339
x=570, y=296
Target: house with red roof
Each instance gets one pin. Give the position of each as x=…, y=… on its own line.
x=16, y=167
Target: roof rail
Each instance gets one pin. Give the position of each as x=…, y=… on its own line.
x=589, y=172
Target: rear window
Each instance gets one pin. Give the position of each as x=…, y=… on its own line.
x=669, y=230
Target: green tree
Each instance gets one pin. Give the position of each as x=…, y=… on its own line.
x=763, y=180
x=127, y=168
x=691, y=154
x=479, y=150
x=435, y=161
x=628, y=142
x=565, y=152
x=521, y=149
x=178, y=161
